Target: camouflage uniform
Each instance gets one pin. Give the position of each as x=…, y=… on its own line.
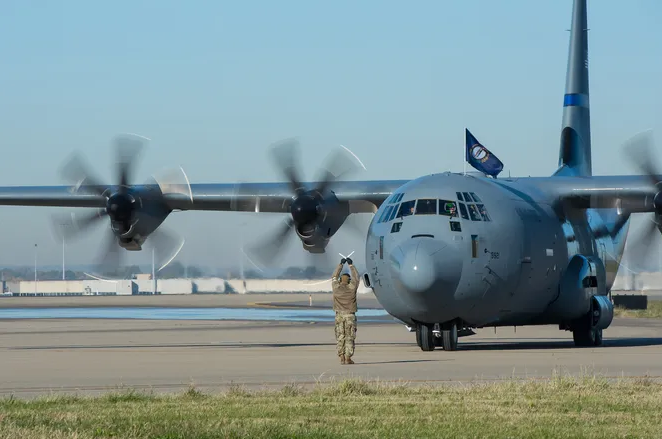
x=344, y=304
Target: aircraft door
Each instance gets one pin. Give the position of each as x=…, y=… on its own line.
x=542, y=246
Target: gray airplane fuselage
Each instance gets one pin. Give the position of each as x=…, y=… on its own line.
x=499, y=267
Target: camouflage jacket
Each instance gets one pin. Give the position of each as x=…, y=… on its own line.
x=344, y=296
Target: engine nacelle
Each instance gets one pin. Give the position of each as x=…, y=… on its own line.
x=315, y=235
x=578, y=286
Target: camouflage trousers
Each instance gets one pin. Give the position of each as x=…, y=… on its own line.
x=345, y=333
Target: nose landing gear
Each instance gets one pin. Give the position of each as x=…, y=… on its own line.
x=430, y=336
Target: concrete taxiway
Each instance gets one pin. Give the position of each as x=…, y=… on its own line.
x=39, y=356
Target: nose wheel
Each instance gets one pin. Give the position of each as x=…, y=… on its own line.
x=425, y=337
x=430, y=336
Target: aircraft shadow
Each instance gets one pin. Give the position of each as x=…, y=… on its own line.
x=569, y=344
x=398, y=361
x=193, y=345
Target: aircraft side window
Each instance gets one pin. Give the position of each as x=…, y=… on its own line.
x=385, y=214
x=459, y=196
x=475, y=197
x=448, y=208
x=463, y=211
x=483, y=212
x=473, y=212
x=426, y=207
x=395, y=228
x=406, y=208
x=393, y=212
x=455, y=226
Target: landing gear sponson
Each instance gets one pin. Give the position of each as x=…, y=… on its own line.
x=586, y=331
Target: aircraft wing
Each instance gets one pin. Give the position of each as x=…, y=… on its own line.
x=361, y=196
x=630, y=194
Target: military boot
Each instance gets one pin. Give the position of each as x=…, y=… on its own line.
x=342, y=359
x=348, y=360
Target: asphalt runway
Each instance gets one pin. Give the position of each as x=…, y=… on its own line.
x=38, y=356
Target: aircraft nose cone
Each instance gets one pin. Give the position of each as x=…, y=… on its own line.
x=417, y=269
x=428, y=272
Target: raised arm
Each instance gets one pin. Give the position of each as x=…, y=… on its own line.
x=354, y=281
x=335, y=280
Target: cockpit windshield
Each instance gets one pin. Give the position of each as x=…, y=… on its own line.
x=448, y=208
x=406, y=208
x=426, y=207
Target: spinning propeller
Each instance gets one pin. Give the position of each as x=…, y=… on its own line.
x=641, y=153
x=309, y=206
x=135, y=212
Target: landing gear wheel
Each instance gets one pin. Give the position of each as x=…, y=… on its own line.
x=586, y=337
x=449, y=338
x=598, y=337
x=425, y=337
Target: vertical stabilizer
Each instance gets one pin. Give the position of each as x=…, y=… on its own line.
x=575, y=151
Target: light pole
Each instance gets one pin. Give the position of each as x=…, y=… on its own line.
x=153, y=274
x=63, y=225
x=35, y=269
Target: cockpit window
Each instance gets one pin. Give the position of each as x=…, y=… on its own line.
x=426, y=207
x=475, y=197
x=399, y=198
x=393, y=212
x=448, y=208
x=386, y=214
x=463, y=211
x=473, y=212
x=459, y=196
x=467, y=197
x=483, y=212
x=406, y=208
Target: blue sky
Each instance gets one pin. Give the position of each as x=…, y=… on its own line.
x=213, y=83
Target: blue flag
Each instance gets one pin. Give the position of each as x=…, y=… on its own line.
x=480, y=157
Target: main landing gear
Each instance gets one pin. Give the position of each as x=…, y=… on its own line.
x=430, y=336
x=587, y=330
x=585, y=334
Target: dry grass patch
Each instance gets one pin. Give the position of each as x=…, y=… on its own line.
x=654, y=311
x=588, y=407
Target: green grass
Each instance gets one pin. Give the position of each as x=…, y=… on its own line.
x=654, y=311
x=559, y=407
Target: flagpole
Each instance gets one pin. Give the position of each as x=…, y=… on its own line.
x=464, y=156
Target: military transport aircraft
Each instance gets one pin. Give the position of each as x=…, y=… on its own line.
x=446, y=252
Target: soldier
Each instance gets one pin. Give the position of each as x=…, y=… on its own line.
x=344, y=304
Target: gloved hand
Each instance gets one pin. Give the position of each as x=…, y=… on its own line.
x=349, y=261
x=342, y=261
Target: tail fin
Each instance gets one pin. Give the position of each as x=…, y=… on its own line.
x=575, y=150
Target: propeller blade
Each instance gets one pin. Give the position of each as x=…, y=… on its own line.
x=127, y=148
x=641, y=244
x=285, y=155
x=67, y=226
x=174, y=182
x=76, y=172
x=620, y=222
x=166, y=245
x=640, y=152
x=339, y=163
x=268, y=251
x=109, y=261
